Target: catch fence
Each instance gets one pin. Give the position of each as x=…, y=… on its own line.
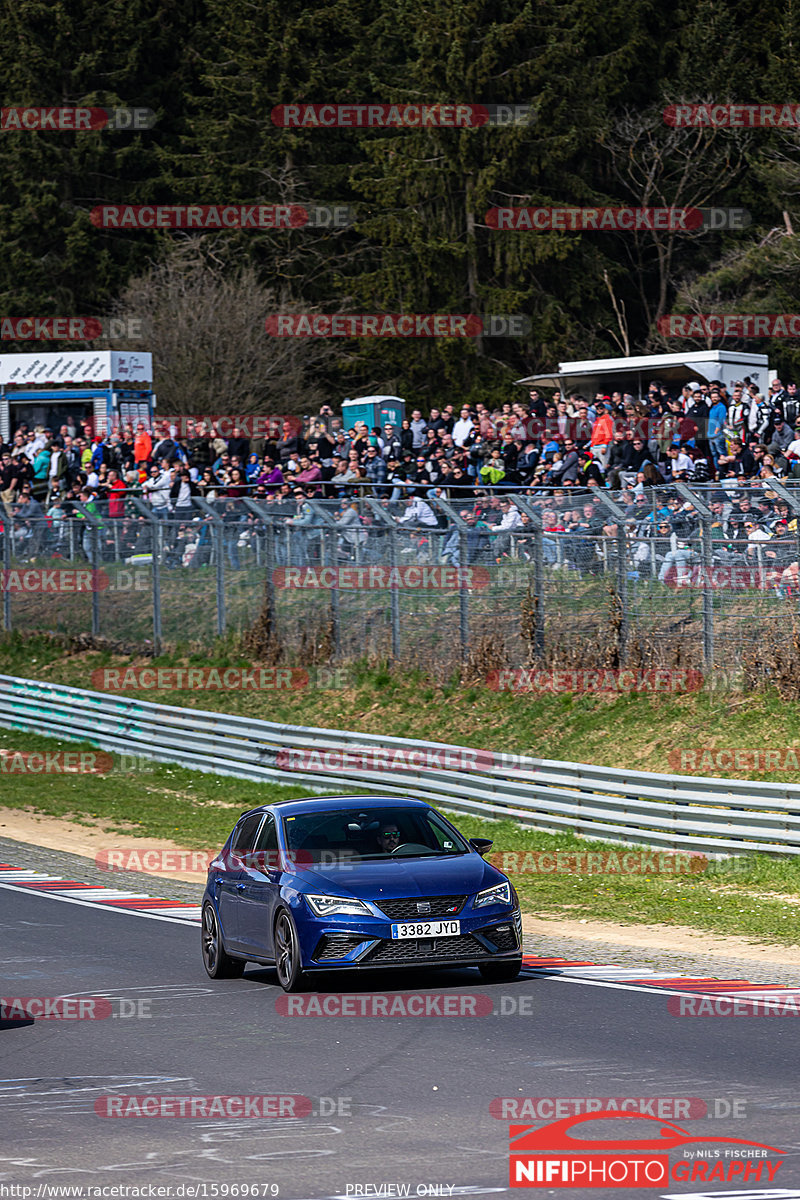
x=678, y=576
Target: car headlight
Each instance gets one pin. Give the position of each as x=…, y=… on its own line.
x=494, y=895
x=330, y=906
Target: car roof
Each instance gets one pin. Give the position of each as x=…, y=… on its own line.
x=323, y=803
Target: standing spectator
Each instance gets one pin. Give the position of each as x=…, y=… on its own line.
x=142, y=444
x=239, y=444
x=9, y=480
x=351, y=535
x=291, y=444
x=717, y=418
x=464, y=428
x=182, y=488
x=418, y=427
x=375, y=466
x=392, y=446
x=156, y=489
x=602, y=436
x=510, y=519
x=116, y=492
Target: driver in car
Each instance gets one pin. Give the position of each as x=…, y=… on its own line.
x=388, y=838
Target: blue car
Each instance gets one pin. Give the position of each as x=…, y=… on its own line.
x=345, y=883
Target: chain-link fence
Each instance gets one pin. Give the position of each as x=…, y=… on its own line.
x=670, y=576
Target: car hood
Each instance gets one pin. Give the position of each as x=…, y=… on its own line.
x=460, y=874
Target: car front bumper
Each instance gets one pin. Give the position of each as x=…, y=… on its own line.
x=367, y=944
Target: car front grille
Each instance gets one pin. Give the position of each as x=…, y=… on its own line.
x=337, y=945
x=405, y=909
x=407, y=950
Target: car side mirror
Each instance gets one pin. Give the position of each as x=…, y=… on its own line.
x=482, y=845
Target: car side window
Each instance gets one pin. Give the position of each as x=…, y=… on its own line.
x=442, y=836
x=268, y=837
x=245, y=835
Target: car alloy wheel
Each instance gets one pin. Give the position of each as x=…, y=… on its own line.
x=217, y=962
x=287, y=953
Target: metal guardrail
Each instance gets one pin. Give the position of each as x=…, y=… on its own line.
x=713, y=816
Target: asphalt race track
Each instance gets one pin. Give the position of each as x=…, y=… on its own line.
x=410, y=1095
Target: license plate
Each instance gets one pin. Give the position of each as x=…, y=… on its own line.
x=426, y=929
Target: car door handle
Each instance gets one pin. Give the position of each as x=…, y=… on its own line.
x=240, y=887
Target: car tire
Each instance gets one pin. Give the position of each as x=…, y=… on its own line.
x=216, y=960
x=501, y=972
x=287, y=953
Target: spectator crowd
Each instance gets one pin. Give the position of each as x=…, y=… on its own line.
x=557, y=453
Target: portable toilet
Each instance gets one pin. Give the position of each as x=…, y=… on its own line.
x=374, y=410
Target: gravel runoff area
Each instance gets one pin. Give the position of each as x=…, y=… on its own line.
x=74, y=866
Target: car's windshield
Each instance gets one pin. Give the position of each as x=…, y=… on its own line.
x=366, y=833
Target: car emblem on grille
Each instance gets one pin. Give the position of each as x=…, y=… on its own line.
x=423, y=906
